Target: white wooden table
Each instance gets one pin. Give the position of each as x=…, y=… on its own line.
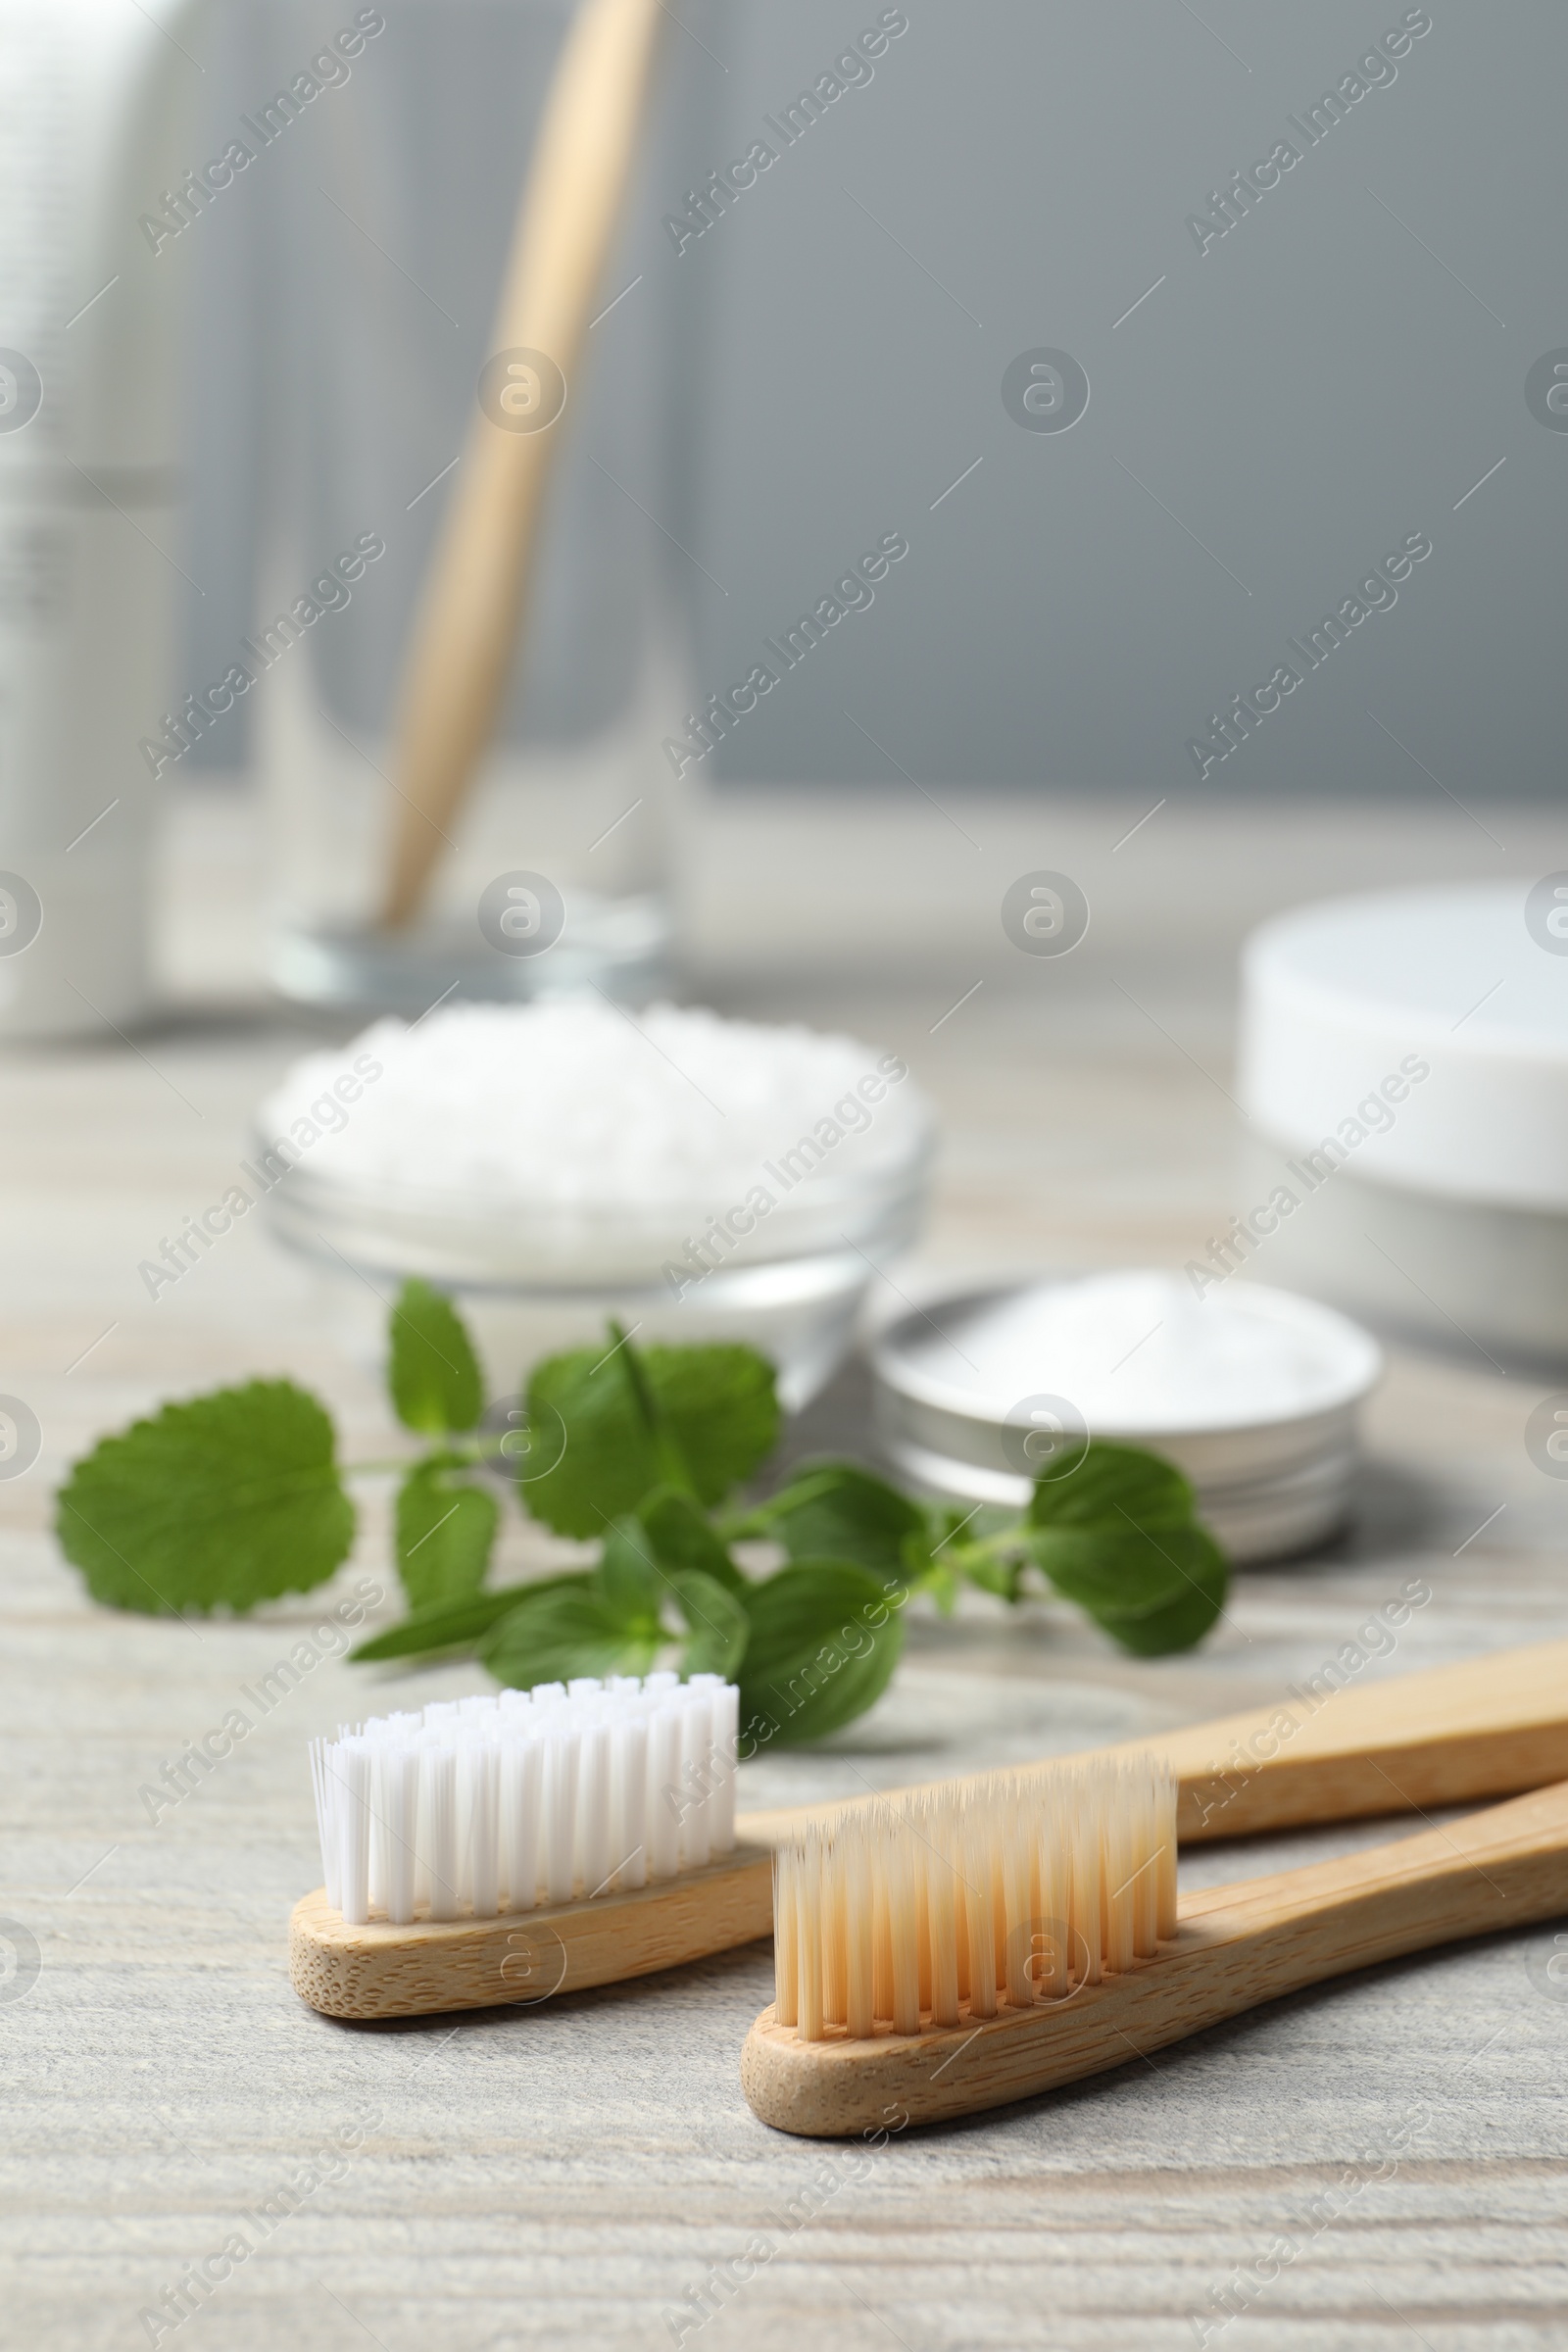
x=1374, y=2165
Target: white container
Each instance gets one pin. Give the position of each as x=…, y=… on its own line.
x=1404, y=1067
x=95, y=103
x=1268, y=1442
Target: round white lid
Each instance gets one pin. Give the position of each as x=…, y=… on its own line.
x=1419, y=1037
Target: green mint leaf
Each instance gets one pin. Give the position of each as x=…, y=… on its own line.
x=1112, y=1485
x=433, y=1371
x=631, y=1369
x=568, y=1627
x=1163, y=1587
x=722, y=1407
x=715, y=1407
x=1113, y=1568
x=1186, y=1619
x=230, y=1499
x=446, y=1527
x=681, y=1536
x=451, y=1628
x=608, y=1460
x=825, y=1638
x=717, y=1621
x=628, y=1575
x=839, y=1511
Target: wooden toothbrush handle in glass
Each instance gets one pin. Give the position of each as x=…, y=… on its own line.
x=476, y=592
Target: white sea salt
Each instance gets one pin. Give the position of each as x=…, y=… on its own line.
x=1137, y=1351
x=574, y=1102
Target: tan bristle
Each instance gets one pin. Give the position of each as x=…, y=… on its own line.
x=902, y=1913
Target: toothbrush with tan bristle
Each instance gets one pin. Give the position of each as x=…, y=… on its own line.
x=441, y=1891
x=940, y=1955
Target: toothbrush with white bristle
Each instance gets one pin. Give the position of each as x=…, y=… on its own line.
x=956, y=1950
x=480, y=1807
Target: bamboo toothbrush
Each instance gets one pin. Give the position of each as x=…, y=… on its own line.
x=477, y=589
x=1445, y=1735
x=947, y=1953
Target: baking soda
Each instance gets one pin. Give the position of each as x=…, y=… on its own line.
x=1137, y=1351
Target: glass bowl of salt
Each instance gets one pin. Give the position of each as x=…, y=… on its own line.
x=559, y=1165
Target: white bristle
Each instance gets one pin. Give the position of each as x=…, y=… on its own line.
x=397, y=1797
x=943, y=1907
x=726, y=1727
x=594, y=1861
x=325, y=1819
x=696, y=1741
x=521, y=1783
x=440, y=1807
x=664, y=1793
x=474, y=1806
x=629, y=1831
x=563, y=1762
x=350, y=1767
x=483, y=1761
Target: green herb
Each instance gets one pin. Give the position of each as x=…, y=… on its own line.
x=235, y=1497
x=432, y=1370
x=696, y=1418
x=446, y=1529
x=843, y=1512
x=453, y=1627
x=825, y=1639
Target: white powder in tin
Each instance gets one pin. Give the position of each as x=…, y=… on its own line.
x=1139, y=1351
x=571, y=1101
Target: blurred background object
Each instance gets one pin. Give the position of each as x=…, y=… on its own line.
x=1404, y=1074
x=347, y=324
x=1181, y=526
x=96, y=112
x=841, y=330
x=794, y=362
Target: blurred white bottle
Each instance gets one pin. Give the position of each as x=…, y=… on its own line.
x=97, y=113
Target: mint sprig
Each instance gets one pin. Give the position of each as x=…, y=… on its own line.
x=232, y=1498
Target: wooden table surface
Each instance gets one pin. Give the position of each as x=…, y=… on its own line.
x=1376, y=2164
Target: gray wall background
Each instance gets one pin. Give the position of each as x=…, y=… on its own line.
x=1333, y=375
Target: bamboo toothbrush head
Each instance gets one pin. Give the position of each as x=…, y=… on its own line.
x=1010, y=1890
x=938, y=1958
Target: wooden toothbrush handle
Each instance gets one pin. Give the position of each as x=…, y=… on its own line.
x=474, y=597
x=526, y=1956
x=1235, y=1948
x=1448, y=1735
